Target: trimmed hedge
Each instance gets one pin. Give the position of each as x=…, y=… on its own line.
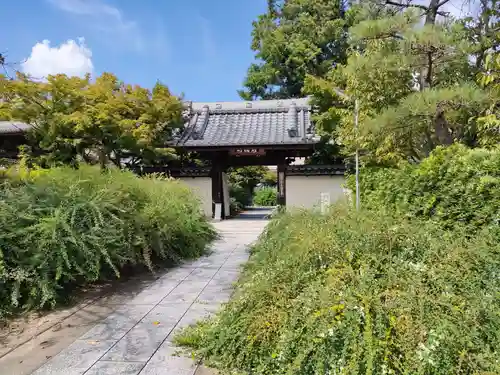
x=64, y=227
x=454, y=185
x=359, y=293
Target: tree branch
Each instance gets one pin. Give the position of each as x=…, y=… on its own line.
x=419, y=6
x=390, y=2
x=442, y=3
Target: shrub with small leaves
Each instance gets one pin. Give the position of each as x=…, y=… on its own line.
x=359, y=293
x=62, y=227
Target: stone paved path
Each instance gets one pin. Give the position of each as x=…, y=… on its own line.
x=137, y=337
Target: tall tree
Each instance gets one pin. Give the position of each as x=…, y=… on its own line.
x=295, y=38
x=414, y=79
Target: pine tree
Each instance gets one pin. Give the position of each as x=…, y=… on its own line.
x=415, y=80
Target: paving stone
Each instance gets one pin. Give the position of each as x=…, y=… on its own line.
x=48, y=370
x=235, y=263
x=172, y=360
x=160, y=370
x=202, y=370
x=225, y=276
x=156, y=292
x=115, y=368
x=167, y=313
x=118, y=324
x=214, y=296
x=186, y=291
x=140, y=343
x=137, y=338
x=164, y=284
x=148, y=297
x=213, y=261
x=42, y=346
x=202, y=274
x=76, y=358
x=198, y=312
x=178, y=274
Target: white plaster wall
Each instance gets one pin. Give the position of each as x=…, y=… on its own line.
x=305, y=191
x=202, y=187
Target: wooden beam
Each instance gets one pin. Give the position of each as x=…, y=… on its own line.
x=218, y=166
x=281, y=147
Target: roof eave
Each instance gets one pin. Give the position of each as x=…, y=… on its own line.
x=298, y=145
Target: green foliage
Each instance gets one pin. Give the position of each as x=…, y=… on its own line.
x=247, y=177
x=454, y=186
x=359, y=293
x=64, y=227
x=239, y=197
x=266, y=196
x=414, y=83
x=102, y=121
x=292, y=39
x=235, y=206
x=489, y=122
x=243, y=182
x=423, y=121
x=270, y=178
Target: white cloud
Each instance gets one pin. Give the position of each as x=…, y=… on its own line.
x=207, y=38
x=88, y=7
x=73, y=58
x=104, y=18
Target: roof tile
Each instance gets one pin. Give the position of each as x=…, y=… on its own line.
x=234, y=124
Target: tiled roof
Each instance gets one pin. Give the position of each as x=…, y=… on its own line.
x=13, y=127
x=265, y=122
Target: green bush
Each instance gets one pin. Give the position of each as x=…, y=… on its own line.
x=270, y=178
x=241, y=196
x=359, y=293
x=266, y=196
x=235, y=207
x=454, y=185
x=64, y=227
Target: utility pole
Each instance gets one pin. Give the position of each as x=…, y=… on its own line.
x=356, y=115
x=341, y=93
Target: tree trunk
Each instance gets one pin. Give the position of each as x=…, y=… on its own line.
x=426, y=71
x=432, y=11
x=103, y=159
x=441, y=130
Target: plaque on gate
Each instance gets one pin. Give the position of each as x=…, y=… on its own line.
x=247, y=152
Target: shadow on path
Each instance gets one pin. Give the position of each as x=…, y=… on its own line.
x=133, y=335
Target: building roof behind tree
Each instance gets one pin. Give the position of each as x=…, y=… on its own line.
x=13, y=127
x=254, y=123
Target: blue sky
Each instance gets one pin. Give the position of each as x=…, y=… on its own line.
x=197, y=47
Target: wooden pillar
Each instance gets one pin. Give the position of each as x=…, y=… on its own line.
x=282, y=183
x=218, y=167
